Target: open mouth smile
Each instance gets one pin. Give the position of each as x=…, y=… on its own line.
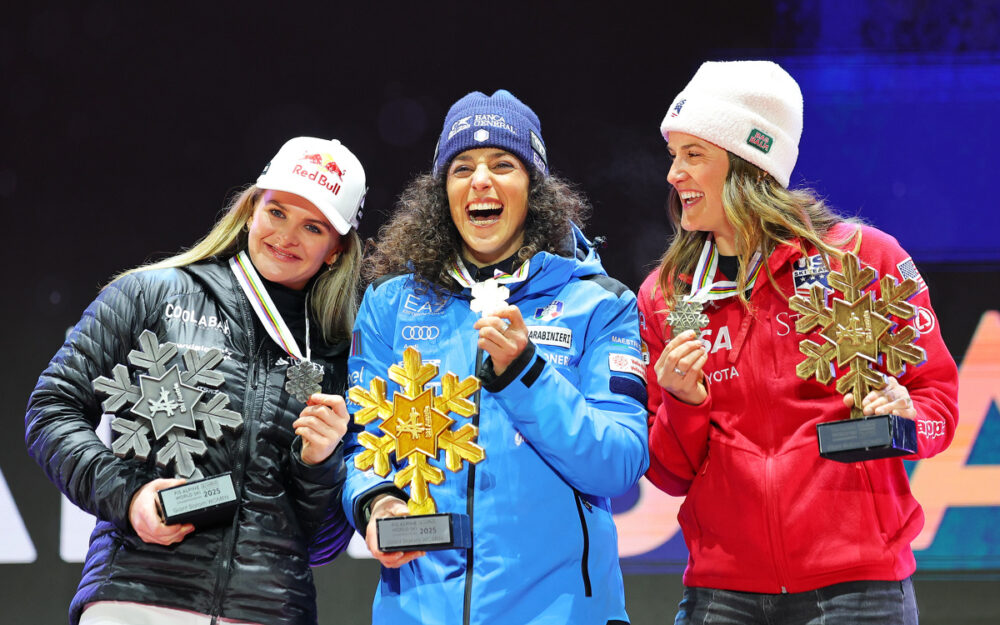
x=484, y=213
x=689, y=198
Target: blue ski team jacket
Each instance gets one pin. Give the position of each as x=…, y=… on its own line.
x=562, y=436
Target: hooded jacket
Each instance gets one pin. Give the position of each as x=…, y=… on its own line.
x=255, y=568
x=763, y=511
x=563, y=429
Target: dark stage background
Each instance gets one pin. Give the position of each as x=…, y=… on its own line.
x=125, y=126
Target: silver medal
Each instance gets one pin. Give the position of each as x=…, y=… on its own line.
x=303, y=379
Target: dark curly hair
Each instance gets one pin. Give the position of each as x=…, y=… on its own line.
x=420, y=237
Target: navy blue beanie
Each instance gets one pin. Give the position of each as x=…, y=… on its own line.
x=496, y=121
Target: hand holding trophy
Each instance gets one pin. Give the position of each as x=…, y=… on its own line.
x=416, y=426
x=859, y=334
x=169, y=405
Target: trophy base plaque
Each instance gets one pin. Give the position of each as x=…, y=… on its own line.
x=869, y=438
x=204, y=503
x=424, y=532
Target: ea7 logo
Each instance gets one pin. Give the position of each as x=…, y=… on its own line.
x=420, y=333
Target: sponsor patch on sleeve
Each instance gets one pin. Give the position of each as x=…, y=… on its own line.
x=907, y=269
x=625, y=363
x=925, y=320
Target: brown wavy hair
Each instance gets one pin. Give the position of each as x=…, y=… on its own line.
x=764, y=214
x=420, y=237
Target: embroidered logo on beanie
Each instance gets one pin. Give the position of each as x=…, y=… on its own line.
x=459, y=126
x=724, y=100
x=760, y=140
x=499, y=120
x=539, y=147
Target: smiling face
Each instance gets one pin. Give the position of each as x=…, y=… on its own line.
x=698, y=173
x=289, y=239
x=488, y=195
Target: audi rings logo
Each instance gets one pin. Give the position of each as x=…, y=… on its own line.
x=420, y=333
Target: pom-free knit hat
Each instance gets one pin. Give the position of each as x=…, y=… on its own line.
x=496, y=121
x=322, y=171
x=750, y=108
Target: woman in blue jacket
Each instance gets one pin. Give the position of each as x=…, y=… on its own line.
x=559, y=425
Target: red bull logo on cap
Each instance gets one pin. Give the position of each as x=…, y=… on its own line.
x=326, y=161
x=331, y=166
x=328, y=164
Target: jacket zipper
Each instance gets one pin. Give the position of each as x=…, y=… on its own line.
x=249, y=410
x=774, y=523
x=470, y=496
x=584, y=566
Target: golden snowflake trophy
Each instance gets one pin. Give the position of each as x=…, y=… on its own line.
x=169, y=405
x=860, y=335
x=416, y=426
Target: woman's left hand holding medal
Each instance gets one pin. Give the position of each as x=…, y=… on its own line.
x=321, y=424
x=503, y=336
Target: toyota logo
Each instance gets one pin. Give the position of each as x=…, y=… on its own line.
x=420, y=333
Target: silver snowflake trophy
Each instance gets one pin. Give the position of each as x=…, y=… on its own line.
x=304, y=378
x=167, y=405
x=686, y=315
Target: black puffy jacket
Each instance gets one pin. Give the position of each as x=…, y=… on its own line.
x=255, y=568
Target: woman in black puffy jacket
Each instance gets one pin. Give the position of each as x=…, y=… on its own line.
x=224, y=362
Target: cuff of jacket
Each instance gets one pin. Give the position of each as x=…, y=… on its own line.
x=136, y=480
x=362, y=505
x=495, y=383
x=328, y=472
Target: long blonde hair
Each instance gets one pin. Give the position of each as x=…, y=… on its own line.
x=334, y=295
x=764, y=214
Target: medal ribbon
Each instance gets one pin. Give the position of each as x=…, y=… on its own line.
x=461, y=274
x=264, y=307
x=487, y=294
x=703, y=286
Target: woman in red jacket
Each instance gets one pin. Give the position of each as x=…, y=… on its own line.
x=775, y=532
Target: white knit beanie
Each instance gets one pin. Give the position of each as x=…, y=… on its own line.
x=750, y=108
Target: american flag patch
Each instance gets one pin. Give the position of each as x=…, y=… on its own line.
x=908, y=270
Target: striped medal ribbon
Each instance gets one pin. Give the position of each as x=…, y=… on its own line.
x=490, y=295
x=304, y=377
x=687, y=313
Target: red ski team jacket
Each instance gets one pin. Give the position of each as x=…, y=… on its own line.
x=763, y=511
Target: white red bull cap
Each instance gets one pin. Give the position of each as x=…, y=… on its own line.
x=322, y=171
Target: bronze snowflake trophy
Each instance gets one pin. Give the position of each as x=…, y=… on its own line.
x=416, y=426
x=859, y=335
x=164, y=411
